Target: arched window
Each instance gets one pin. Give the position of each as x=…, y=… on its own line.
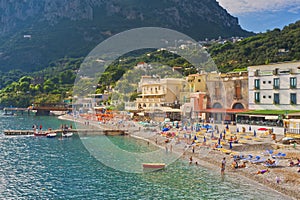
x=238, y=106
x=217, y=105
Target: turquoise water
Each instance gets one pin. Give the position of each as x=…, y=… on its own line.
x=43, y=168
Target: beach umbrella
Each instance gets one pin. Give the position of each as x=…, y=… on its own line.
x=230, y=145
x=262, y=129
x=195, y=137
x=165, y=129
x=227, y=127
x=237, y=130
x=204, y=139
x=249, y=128
x=219, y=141
x=220, y=135
x=254, y=133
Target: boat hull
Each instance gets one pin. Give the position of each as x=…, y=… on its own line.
x=51, y=135
x=67, y=134
x=153, y=166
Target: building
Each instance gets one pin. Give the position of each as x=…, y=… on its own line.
x=227, y=95
x=219, y=96
x=157, y=94
x=274, y=86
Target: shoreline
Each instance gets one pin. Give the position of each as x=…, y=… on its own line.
x=212, y=160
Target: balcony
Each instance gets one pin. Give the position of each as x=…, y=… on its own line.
x=148, y=100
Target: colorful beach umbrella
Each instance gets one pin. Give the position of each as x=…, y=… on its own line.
x=262, y=129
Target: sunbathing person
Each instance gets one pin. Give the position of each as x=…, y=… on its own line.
x=242, y=165
x=298, y=162
x=269, y=161
x=262, y=171
x=234, y=165
x=292, y=164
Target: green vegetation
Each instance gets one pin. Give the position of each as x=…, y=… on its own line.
x=55, y=82
x=50, y=85
x=270, y=47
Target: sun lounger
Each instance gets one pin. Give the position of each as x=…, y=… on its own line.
x=257, y=160
x=279, y=155
x=248, y=158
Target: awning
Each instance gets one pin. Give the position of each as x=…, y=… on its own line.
x=141, y=114
x=221, y=110
x=271, y=117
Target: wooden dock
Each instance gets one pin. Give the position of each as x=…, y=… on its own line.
x=60, y=131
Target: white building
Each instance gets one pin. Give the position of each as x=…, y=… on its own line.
x=274, y=86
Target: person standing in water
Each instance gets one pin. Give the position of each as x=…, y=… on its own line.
x=223, y=164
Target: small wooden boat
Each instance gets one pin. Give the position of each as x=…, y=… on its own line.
x=67, y=134
x=154, y=166
x=40, y=134
x=51, y=135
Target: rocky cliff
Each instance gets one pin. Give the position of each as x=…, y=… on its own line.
x=36, y=32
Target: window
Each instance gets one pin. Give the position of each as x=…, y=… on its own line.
x=256, y=97
x=293, y=82
x=199, y=80
x=270, y=82
x=264, y=82
x=257, y=84
x=264, y=96
x=293, y=98
x=276, y=84
x=276, y=98
x=238, y=92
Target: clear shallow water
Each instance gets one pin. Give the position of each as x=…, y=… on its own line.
x=43, y=168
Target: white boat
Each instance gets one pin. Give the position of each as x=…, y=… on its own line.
x=51, y=135
x=67, y=134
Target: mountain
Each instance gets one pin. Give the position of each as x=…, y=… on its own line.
x=270, y=47
x=35, y=33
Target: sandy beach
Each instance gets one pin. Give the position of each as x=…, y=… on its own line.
x=282, y=178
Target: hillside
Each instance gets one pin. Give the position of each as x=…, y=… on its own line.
x=57, y=78
x=270, y=47
x=36, y=32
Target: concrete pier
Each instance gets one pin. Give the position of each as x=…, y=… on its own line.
x=60, y=131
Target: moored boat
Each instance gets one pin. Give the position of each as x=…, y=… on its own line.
x=67, y=134
x=40, y=134
x=154, y=166
x=51, y=135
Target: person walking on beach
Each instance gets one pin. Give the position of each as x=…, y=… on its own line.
x=223, y=164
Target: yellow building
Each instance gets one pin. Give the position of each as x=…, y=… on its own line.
x=157, y=93
x=197, y=82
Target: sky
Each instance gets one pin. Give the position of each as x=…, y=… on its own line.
x=262, y=15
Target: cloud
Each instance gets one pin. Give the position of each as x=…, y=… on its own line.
x=250, y=6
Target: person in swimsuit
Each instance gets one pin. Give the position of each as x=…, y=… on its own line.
x=223, y=164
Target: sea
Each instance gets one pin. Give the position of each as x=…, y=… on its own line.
x=54, y=168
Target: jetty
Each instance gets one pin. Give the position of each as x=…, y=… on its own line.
x=60, y=131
